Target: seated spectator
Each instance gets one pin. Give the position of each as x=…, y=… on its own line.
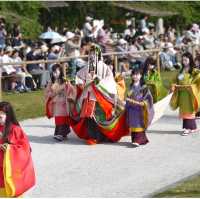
x=129, y=32
x=149, y=39
x=122, y=46
x=135, y=59
x=9, y=69
x=34, y=69
x=17, y=41
x=20, y=72
x=166, y=58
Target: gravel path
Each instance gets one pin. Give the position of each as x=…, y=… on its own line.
x=74, y=169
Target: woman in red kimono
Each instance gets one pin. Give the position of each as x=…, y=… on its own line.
x=16, y=168
x=58, y=95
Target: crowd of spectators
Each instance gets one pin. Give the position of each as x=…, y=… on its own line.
x=135, y=38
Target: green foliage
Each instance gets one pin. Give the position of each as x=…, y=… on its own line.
x=33, y=25
x=24, y=105
x=188, y=12
x=26, y=14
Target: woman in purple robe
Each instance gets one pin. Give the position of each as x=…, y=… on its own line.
x=139, y=109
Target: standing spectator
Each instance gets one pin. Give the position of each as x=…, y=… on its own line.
x=88, y=29
x=143, y=22
x=3, y=34
x=16, y=30
x=53, y=54
x=102, y=36
x=72, y=48
x=194, y=34
x=160, y=27
x=34, y=69
x=104, y=40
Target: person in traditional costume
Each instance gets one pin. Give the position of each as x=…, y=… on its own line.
x=58, y=94
x=139, y=109
x=186, y=94
x=99, y=91
x=121, y=86
x=16, y=167
x=197, y=69
x=153, y=80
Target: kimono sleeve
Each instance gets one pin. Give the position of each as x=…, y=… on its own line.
x=19, y=174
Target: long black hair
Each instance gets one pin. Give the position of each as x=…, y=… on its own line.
x=6, y=107
x=191, y=64
x=136, y=71
x=61, y=76
x=149, y=61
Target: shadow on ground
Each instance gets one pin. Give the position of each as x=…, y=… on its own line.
x=165, y=132
x=50, y=140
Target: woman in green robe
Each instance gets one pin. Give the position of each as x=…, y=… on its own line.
x=153, y=80
x=186, y=94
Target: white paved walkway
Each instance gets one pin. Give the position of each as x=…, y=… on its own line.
x=74, y=169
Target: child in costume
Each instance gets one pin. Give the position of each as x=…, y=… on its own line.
x=57, y=96
x=139, y=109
x=153, y=80
x=186, y=94
x=16, y=167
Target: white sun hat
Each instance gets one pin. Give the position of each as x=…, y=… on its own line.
x=88, y=18
x=70, y=35
x=122, y=41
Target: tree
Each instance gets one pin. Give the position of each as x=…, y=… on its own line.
x=26, y=14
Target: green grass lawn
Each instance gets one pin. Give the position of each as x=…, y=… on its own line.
x=26, y=105
x=189, y=188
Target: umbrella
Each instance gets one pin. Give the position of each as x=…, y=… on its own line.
x=50, y=35
x=60, y=39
